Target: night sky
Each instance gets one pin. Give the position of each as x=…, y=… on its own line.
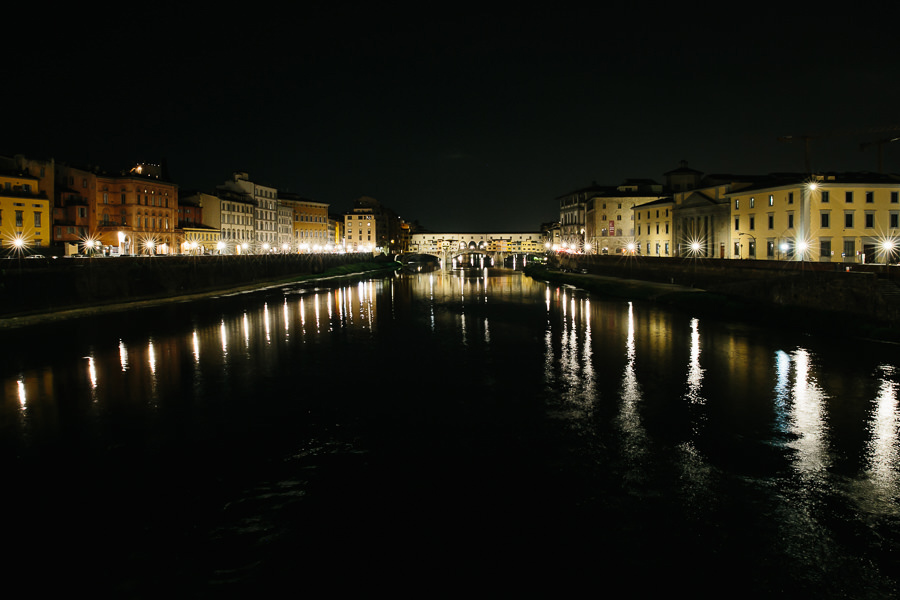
x=463, y=120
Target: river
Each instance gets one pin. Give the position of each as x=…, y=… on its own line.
x=431, y=434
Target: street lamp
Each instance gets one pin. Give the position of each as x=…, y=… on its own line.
x=887, y=249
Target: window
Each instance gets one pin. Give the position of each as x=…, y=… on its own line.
x=848, y=197
x=37, y=219
x=894, y=220
x=770, y=249
x=870, y=220
x=790, y=220
x=737, y=249
x=825, y=220
x=870, y=197
x=18, y=218
x=848, y=219
x=790, y=197
x=752, y=223
x=825, y=248
x=751, y=249
x=826, y=197
x=737, y=223
x=849, y=248
x=895, y=197
x=752, y=201
x=737, y=203
x=771, y=200
x=771, y=219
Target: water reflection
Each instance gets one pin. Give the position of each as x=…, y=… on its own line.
x=20, y=392
x=666, y=400
x=883, y=448
x=629, y=416
x=123, y=355
x=800, y=411
x=695, y=371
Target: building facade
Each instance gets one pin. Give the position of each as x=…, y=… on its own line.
x=308, y=223
x=573, y=217
x=264, y=215
x=137, y=212
x=25, y=217
x=610, y=216
x=653, y=228
x=830, y=217
x=130, y=212
x=237, y=220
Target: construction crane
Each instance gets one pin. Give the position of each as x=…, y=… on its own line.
x=880, y=144
x=805, y=139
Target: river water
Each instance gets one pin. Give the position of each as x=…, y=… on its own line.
x=461, y=431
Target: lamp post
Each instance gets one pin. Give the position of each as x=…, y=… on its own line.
x=753, y=238
x=887, y=248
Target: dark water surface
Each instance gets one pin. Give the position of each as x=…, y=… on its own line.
x=460, y=432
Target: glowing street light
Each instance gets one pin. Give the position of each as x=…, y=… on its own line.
x=888, y=247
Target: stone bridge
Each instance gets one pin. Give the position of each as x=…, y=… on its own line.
x=495, y=246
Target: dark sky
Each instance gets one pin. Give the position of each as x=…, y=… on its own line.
x=466, y=120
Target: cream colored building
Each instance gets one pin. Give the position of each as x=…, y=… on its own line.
x=265, y=209
x=653, y=225
x=610, y=218
x=832, y=217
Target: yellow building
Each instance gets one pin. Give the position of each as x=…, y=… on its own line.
x=24, y=213
x=653, y=228
x=200, y=239
x=833, y=217
x=309, y=223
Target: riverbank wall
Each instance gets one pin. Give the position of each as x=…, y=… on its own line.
x=859, y=300
x=31, y=286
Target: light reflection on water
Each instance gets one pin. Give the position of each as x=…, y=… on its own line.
x=674, y=406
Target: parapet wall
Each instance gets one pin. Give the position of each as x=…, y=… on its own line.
x=869, y=291
x=52, y=284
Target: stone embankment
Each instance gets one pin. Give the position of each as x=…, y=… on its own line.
x=34, y=288
x=862, y=300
